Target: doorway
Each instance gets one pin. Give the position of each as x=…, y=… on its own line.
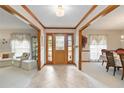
x=59, y=48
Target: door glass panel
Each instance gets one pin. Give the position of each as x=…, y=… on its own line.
x=60, y=43
x=69, y=48
x=49, y=48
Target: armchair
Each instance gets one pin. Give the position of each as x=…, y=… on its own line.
x=18, y=62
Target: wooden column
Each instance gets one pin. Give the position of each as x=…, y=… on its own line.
x=80, y=49
x=39, y=50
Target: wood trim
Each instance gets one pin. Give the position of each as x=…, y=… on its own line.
x=86, y=15
x=39, y=51
x=53, y=41
x=80, y=48
x=60, y=28
x=89, y=50
x=104, y=12
x=43, y=66
x=49, y=34
x=12, y=11
x=32, y=14
x=15, y=13
x=90, y=61
x=85, y=50
x=85, y=61
x=6, y=8
x=33, y=26
x=73, y=49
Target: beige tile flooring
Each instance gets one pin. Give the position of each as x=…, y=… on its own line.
x=98, y=72
x=62, y=76
x=14, y=77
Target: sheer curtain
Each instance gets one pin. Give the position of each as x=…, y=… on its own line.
x=20, y=43
x=97, y=42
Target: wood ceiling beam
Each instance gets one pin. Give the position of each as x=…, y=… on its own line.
x=12, y=11
x=32, y=14
x=104, y=12
x=59, y=28
x=86, y=15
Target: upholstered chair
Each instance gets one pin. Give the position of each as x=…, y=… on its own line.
x=111, y=62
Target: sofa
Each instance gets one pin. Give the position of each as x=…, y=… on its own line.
x=25, y=62
x=6, y=59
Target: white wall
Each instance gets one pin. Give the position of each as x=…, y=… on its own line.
x=113, y=40
x=7, y=35
x=60, y=30
x=122, y=42
x=113, y=37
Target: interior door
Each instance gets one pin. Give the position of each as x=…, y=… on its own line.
x=60, y=49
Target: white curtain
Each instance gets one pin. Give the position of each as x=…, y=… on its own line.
x=97, y=42
x=20, y=43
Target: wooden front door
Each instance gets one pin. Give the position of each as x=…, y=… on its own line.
x=59, y=48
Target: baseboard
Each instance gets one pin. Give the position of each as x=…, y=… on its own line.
x=75, y=64
x=89, y=61
x=41, y=67
x=85, y=61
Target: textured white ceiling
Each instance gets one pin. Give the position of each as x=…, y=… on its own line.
x=8, y=21
x=93, y=14
x=46, y=14
x=73, y=14
x=114, y=20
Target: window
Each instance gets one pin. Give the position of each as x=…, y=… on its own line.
x=69, y=48
x=60, y=42
x=20, y=43
x=50, y=44
x=97, y=42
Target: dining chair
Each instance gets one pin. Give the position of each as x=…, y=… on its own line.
x=122, y=62
x=104, y=59
x=111, y=62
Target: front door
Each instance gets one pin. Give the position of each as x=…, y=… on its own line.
x=59, y=48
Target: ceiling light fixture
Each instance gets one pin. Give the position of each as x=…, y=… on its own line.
x=60, y=11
